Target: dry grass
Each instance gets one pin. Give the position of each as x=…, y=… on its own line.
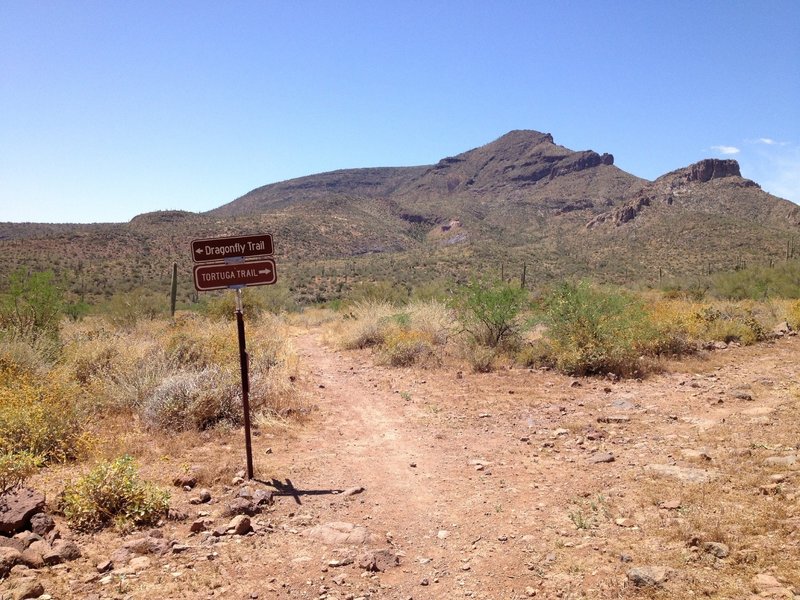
x=742, y=508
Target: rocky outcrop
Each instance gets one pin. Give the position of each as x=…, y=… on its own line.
x=713, y=168
x=623, y=214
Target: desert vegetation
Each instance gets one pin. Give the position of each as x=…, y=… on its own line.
x=102, y=406
x=69, y=383
x=578, y=328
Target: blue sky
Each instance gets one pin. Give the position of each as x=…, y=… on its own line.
x=109, y=109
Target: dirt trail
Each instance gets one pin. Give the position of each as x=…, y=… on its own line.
x=512, y=484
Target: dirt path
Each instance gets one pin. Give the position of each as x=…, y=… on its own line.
x=513, y=484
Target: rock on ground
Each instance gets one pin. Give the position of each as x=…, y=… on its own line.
x=650, y=576
x=17, y=507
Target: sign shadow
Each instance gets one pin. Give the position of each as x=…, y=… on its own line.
x=288, y=489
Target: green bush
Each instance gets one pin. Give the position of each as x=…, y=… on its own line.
x=597, y=331
x=489, y=312
x=127, y=309
x=32, y=304
x=758, y=283
x=113, y=494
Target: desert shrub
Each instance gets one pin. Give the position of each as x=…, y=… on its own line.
x=437, y=290
x=676, y=330
x=222, y=306
x=193, y=400
x=536, y=353
x=117, y=367
x=433, y=319
x=125, y=310
x=32, y=304
x=402, y=347
x=112, y=494
x=758, y=283
x=277, y=299
x=731, y=323
x=42, y=418
x=480, y=358
x=26, y=356
x=597, y=331
x=367, y=325
x=489, y=312
x=16, y=467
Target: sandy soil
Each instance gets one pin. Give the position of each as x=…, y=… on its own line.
x=513, y=484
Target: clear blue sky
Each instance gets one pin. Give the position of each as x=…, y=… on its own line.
x=111, y=108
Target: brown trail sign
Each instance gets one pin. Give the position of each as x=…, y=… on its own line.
x=241, y=246
x=234, y=275
x=235, y=263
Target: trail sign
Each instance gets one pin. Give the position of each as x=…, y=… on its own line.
x=235, y=263
x=218, y=249
x=234, y=275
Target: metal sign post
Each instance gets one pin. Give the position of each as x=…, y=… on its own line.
x=244, y=359
x=235, y=263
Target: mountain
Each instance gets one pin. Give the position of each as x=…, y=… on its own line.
x=521, y=199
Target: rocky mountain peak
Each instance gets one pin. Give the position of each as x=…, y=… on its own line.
x=713, y=168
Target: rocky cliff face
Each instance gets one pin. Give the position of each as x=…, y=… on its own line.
x=687, y=186
x=712, y=168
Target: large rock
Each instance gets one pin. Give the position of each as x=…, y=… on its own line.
x=17, y=507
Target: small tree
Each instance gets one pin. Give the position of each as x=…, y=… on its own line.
x=488, y=312
x=33, y=304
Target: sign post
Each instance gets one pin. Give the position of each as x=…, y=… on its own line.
x=244, y=360
x=235, y=263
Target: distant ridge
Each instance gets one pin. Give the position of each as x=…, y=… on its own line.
x=520, y=199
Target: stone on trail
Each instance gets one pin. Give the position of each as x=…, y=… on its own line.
x=340, y=533
x=17, y=507
x=184, y=481
x=241, y=506
x=42, y=524
x=378, y=560
x=62, y=551
x=240, y=525
x=651, y=576
x=717, y=549
x=686, y=474
x=601, y=457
